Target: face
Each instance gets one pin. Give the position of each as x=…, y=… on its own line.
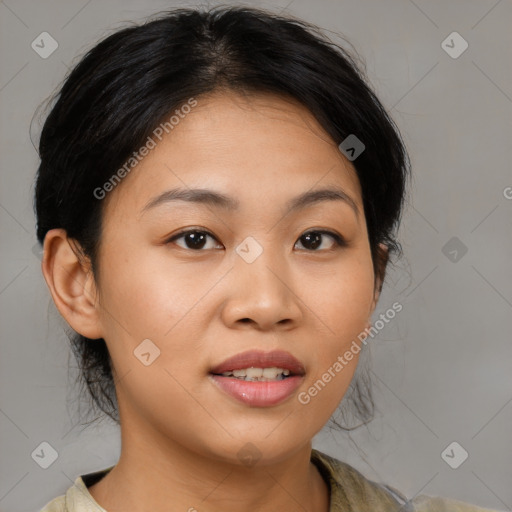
x=252, y=274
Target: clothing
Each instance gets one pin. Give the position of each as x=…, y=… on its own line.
x=353, y=492
x=350, y=491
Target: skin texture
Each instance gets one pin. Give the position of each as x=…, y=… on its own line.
x=180, y=433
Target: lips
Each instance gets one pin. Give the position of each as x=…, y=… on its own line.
x=259, y=359
x=259, y=393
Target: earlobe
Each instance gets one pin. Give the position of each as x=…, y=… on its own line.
x=71, y=284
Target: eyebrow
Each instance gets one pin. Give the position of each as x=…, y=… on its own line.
x=220, y=200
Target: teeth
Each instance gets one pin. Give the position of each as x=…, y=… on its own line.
x=253, y=373
x=259, y=374
x=271, y=373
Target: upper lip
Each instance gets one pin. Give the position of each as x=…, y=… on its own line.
x=260, y=359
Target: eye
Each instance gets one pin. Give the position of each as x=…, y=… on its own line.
x=193, y=239
x=197, y=240
x=313, y=239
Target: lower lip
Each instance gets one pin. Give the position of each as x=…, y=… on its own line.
x=258, y=394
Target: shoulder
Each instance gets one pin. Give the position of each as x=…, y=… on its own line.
x=351, y=491
x=58, y=504
x=77, y=497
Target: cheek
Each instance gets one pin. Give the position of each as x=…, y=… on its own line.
x=341, y=302
x=341, y=308
x=146, y=295
x=146, y=309
x=145, y=298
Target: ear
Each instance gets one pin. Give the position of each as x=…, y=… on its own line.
x=71, y=283
x=381, y=264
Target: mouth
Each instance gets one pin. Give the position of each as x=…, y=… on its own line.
x=259, y=379
x=258, y=374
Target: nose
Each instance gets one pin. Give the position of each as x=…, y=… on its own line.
x=262, y=294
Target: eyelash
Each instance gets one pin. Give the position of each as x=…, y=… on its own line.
x=338, y=239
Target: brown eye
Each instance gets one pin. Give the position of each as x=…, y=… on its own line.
x=314, y=239
x=197, y=240
x=193, y=239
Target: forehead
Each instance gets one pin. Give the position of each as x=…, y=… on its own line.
x=259, y=147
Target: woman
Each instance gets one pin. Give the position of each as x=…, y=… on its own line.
x=217, y=198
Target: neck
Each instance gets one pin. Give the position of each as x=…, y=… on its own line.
x=153, y=473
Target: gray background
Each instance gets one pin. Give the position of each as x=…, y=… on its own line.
x=441, y=368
